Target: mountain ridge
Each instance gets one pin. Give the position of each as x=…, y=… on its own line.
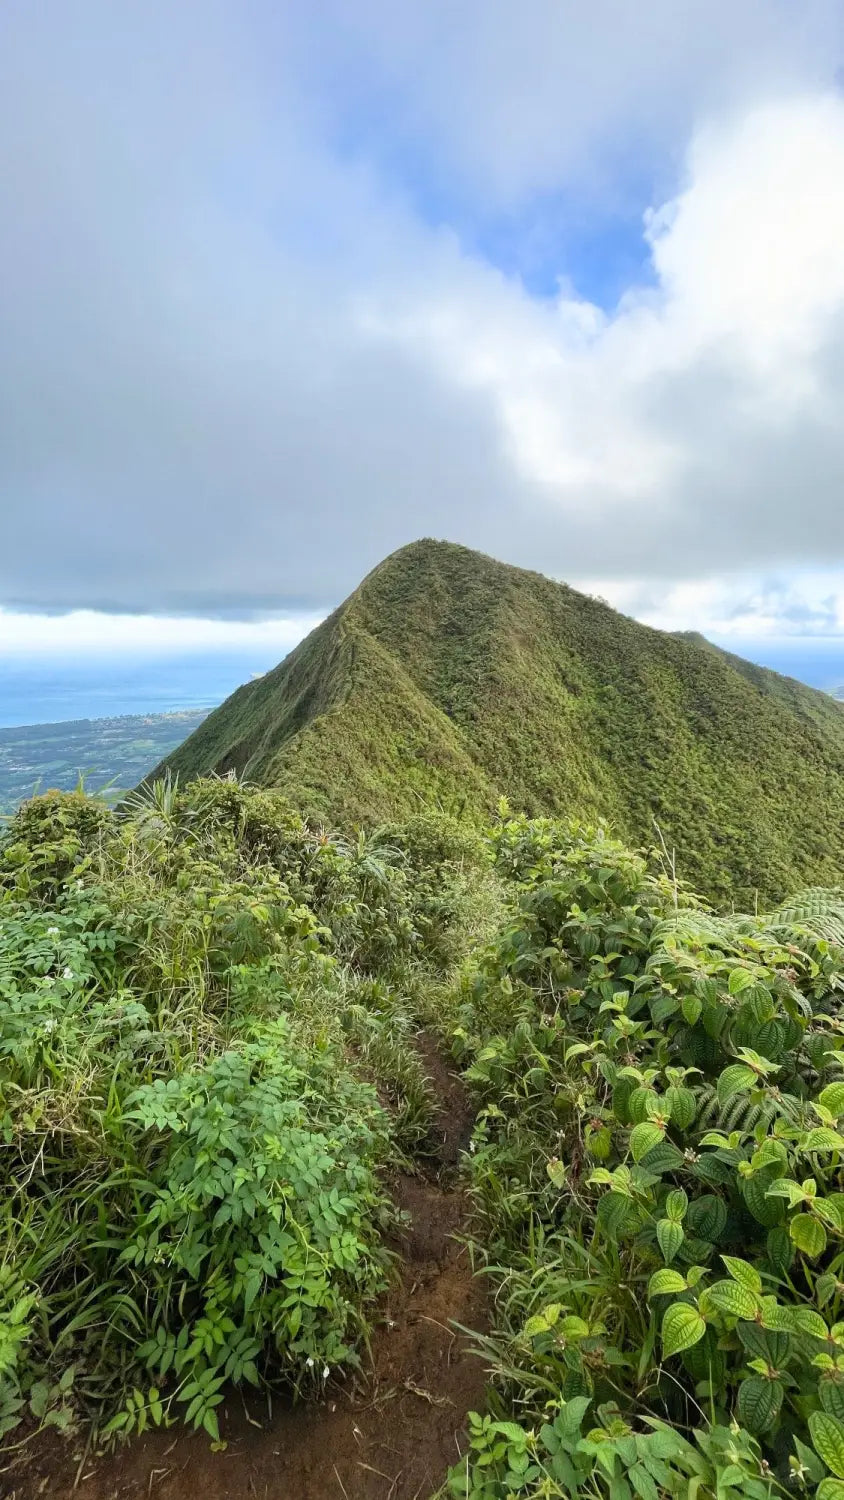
x=449, y=679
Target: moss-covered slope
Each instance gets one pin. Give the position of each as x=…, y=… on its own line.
x=447, y=678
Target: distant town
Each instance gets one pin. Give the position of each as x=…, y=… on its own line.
x=106, y=755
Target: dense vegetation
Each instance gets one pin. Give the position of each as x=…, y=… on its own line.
x=211, y=1068
x=198, y=997
x=447, y=680
x=112, y=752
x=657, y=1170
x=207, y=1071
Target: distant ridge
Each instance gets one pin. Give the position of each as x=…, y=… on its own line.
x=448, y=679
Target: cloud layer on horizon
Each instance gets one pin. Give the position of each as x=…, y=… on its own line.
x=252, y=342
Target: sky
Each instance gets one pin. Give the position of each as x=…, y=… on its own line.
x=284, y=286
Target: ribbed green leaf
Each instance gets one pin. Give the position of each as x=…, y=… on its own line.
x=707, y=1217
x=832, y=1397
x=746, y=1276
x=758, y=1404
x=766, y=1211
x=828, y=1437
x=681, y=1105
x=734, y=1080
x=682, y=1326
x=616, y=1212
x=740, y=979
x=808, y=1235
x=780, y=1249
x=644, y=1137
x=832, y=1098
x=670, y=1237
x=691, y=1008
x=806, y=1320
x=665, y=1281
x=823, y=1139
x=676, y=1204
x=734, y=1300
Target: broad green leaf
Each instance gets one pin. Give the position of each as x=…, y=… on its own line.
x=682, y=1326
x=535, y=1326
x=744, y=1274
x=681, y=1105
x=830, y=1489
x=832, y=1397
x=662, y=1158
x=758, y=1404
x=808, y=1235
x=691, y=1008
x=740, y=979
x=644, y=1137
x=670, y=1237
x=730, y=1298
x=707, y=1217
x=765, y=1207
x=806, y=1320
x=780, y=1249
x=642, y=1483
x=734, y=1080
x=665, y=1281
x=828, y=1438
x=822, y=1139
x=617, y=1213
x=676, y=1204
x=832, y=1098
x=556, y=1171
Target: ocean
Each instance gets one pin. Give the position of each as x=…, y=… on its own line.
x=816, y=660
x=36, y=690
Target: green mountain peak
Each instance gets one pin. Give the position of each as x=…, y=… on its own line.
x=449, y=679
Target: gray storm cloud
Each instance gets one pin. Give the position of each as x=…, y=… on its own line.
x=240, y=360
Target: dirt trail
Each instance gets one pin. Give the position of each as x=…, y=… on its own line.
x=389, y=1435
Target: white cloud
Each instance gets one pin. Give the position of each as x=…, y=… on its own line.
x=246, y=353
x=746, y=318
x=87, y=632
x=744, y=608
x=503, y=104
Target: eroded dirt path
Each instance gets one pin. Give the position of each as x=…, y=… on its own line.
x=389, y=1435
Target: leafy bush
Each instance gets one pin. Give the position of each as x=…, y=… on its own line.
x=192, y=1044
x=657, y=1161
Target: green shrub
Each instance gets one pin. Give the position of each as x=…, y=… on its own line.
x=191, y=1038
x=658, y=1162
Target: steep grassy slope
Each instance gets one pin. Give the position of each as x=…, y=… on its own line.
x=448, y=678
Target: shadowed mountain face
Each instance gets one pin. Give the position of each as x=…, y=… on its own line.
x=448, y=679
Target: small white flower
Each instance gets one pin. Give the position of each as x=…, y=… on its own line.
x=309, y=1362
x=472, y=1146
x=49, y=1025
x=52, y=931
x=67, y=973
x=326, y=1372
x=79, y=884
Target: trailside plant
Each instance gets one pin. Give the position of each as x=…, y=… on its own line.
x=658, y=1159
x=206, y=1064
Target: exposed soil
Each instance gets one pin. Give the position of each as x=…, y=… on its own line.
x=390, y=1434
